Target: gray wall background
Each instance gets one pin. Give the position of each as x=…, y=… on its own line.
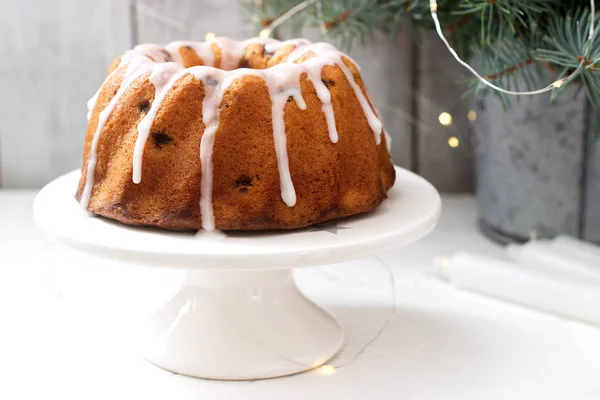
x=54, y=56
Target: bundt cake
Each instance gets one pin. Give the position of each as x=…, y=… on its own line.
x=251, y=135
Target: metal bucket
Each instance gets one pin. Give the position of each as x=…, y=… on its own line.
x=537, y=167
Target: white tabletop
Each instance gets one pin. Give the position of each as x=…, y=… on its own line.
x=408, y=336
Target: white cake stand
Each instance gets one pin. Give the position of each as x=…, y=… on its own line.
x=239, y=314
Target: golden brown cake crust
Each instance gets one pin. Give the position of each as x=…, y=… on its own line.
x=331, y=180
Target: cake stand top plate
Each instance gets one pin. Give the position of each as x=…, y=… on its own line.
x=410, y=212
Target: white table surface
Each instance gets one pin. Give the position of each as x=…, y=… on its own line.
x=67, y=327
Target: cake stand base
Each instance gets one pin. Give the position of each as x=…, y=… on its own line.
x=240, y=325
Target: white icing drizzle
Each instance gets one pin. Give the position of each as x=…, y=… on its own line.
x=314, y=68
x=210, y=118
x=374, y=122
x=273, y=45
x=163, y=78
x=215, y=83
x=213, y=236
x=136, y=68
x=231, y=76
x=157, y=53
x=388, y=138
x=232, y=52
x=328, y=51
x=282, y=80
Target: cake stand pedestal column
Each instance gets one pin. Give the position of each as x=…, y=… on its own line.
x=240, y=325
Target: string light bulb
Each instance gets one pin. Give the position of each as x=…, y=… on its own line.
x=265, y=33
x=472, y=115
x=326, y=370
x=209, y=37
x=453, y=142
x=445, y=119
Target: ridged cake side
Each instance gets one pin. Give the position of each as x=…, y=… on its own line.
x=330, y=180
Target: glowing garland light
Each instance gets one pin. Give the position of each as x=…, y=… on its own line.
x=433, y=6
x=445, y=118
x=326, y=370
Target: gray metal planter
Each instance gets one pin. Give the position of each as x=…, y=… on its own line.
x=537, y=168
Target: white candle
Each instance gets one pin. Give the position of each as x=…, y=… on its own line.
x=578, y=248
x=507, y=281
x=545, y=258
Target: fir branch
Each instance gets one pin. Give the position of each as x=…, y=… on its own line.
x=509, y=70
x=499, y=18
x=349, y=21
x=568, y=45
x=506, y=64
x=510, y=39
x=263, y=13
x=461, y=22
